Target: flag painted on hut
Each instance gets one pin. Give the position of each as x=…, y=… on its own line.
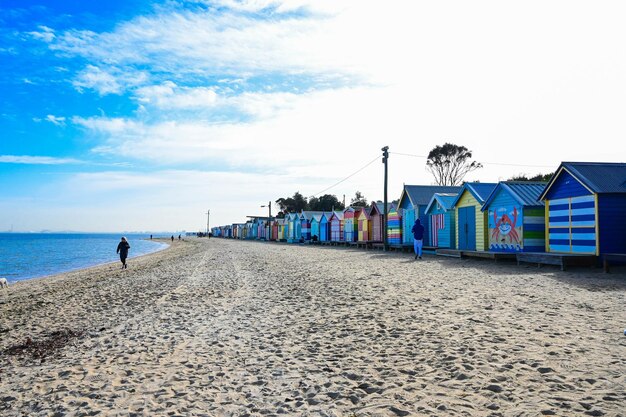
x=437, y=223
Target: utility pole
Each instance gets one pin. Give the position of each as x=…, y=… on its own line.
x=208, y=216
x=269, y=220
x=385, y=237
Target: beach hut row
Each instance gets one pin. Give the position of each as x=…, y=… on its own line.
x=581, y=210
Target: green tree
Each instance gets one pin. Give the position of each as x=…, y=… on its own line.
x=293, y=204
x=327, y=202
x=359, y=200
x=450, y=163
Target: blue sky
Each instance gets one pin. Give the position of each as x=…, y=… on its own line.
x=137, y=115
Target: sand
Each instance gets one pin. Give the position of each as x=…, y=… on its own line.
x=230, y=328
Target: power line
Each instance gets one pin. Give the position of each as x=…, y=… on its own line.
x=488, y=163
x=348, y=177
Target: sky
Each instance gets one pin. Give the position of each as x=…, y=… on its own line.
x=141, y=115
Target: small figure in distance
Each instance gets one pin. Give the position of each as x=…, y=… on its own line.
x=418, y=238
x=178, y=237
x=150, y=237
x=172, y=238
x=122, y=249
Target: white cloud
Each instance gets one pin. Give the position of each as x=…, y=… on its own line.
x=37, y=160
x=169, y=96
x=204, y=44
x=109, y=80
x=44, y=34
x=57, y=120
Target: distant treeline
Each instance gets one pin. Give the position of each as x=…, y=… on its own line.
x=326, y=202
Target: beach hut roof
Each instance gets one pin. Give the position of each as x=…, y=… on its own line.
x=480, y=191
x=524, y=192
x=308, y=215
x=420, y=195
x=378, y=207
x=598, y=177
x=337, y=214
x=363, y=211
x=445, y=200
x=317, y=216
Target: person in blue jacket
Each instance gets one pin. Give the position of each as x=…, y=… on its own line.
x=418, y=238
x=122, y=249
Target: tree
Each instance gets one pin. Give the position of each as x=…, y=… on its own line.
x=327, y=202
x=359, y=200
x=450, y=163
x=538, y=177
x=293, y=204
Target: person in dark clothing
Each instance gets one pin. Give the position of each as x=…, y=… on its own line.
x=122, y=249
x=418, y=238
x=172, y=238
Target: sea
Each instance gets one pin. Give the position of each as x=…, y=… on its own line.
x=34, y=255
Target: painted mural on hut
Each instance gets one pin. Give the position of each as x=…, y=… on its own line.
x=505, y=229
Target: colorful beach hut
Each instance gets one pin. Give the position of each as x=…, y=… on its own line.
x=412, y=205
x=376, y=222
x=364, y=225
x=280, y=229
x=336, y=226
x=394, y=226
x=471, y=221
x=295, y=227
x=315, y=226
x=247, y=230
x=305, y=223
x=349, y=225
x=325, y=227
x=441, y=220
x=586, y=208
x=516, y=217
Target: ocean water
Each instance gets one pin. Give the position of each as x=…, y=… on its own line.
x=32, y=255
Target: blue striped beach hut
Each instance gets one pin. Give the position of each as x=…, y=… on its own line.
x=412, y=205
x=441, y=220
x=516, y=217
x=586, y=208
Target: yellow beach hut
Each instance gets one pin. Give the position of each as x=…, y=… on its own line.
x=471, y=222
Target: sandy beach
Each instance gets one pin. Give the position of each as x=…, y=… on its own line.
x=233, y=328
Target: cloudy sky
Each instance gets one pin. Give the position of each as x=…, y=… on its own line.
x=142, y=115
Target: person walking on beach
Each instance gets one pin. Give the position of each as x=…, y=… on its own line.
x=172, y=238
x=122, y=249
x=418, y=238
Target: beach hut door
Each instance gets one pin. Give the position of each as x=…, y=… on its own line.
x=467, y=228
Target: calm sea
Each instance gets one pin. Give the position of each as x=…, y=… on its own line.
x=32, y=255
